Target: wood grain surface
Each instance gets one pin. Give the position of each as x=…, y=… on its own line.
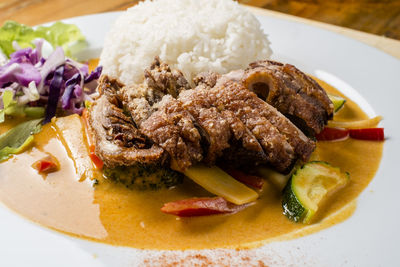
x=381, y=17
x=378, y=17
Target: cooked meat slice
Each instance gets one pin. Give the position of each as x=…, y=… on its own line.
x=233, y=96
x=208, y=78
x=215, y=128
x=117, y=140
x=244, y=147
x=302, y=145
x=241, y=132
x=172, y=128
x=139, y=100
x=163, y=80
x=161, y=117
x=292, y=92
x=278, y=89
x=309, y=86
x=221, y=130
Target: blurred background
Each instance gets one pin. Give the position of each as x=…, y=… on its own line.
x=380, y=17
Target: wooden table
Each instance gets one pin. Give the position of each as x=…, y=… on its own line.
x=370, y=21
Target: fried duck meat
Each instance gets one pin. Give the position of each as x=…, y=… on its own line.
x=223, y=117
x=117, y=140
x=292, y=92
x=283, y=86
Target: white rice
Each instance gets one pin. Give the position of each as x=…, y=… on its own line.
x=191, y=35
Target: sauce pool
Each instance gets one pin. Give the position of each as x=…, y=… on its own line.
x=113, y=214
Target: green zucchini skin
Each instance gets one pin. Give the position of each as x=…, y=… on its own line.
x=338, y=102
x=294, y=205
x=291, y=205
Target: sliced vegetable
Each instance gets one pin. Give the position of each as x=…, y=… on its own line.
x=95, y=159
x=279, y=180
x=46, y=165
x=72, y=135
x=309, y=188
x=247, y=179
x=368, y=123
x=18, y=138
x=34, y=112
x=201, y=207
x=331, y=134
x=54, y=94
x=338, y=102
x=7, y=100
x=11, y=107
x=218, y=182
x=372, y=134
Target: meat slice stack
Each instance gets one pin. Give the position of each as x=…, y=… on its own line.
x=292, y=92
x=161, y=117
x=219, y=119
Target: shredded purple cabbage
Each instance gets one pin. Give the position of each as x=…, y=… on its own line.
x=55, y=82
x=69, y=90
x=94, y=75
x=54, y=94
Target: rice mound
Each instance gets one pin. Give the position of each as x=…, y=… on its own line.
x=191, y=35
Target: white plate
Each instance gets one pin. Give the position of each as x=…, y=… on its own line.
x=369, y=238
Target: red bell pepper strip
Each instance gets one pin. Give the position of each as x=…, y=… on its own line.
x=247, y=179
x=372, y=134
x=95, y=159
x=46, y=165
x=330, y=134
x=201, y=207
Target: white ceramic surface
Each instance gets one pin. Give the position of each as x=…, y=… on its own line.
x=369, y=238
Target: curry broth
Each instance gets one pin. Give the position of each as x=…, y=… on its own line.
x=113, y=214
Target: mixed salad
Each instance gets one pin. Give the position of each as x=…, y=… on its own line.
x=40, y=78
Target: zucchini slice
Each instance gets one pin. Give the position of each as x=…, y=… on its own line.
x=279, y=180
x=338, y=102
x=309, y=188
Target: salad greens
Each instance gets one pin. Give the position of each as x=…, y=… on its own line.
x=18, y=138
x=68, y=36
x=35, y=85
x=38, y=86
x=12, y=108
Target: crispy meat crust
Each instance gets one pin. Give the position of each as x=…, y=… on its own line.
x=172, y=128
x=236, y=117
x=292, y=92
x=117, y=140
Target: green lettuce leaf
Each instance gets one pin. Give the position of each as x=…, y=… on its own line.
x=11, y=108
x=18, y=138
x=13, y=31
x=68, y=36
x=7, y=98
